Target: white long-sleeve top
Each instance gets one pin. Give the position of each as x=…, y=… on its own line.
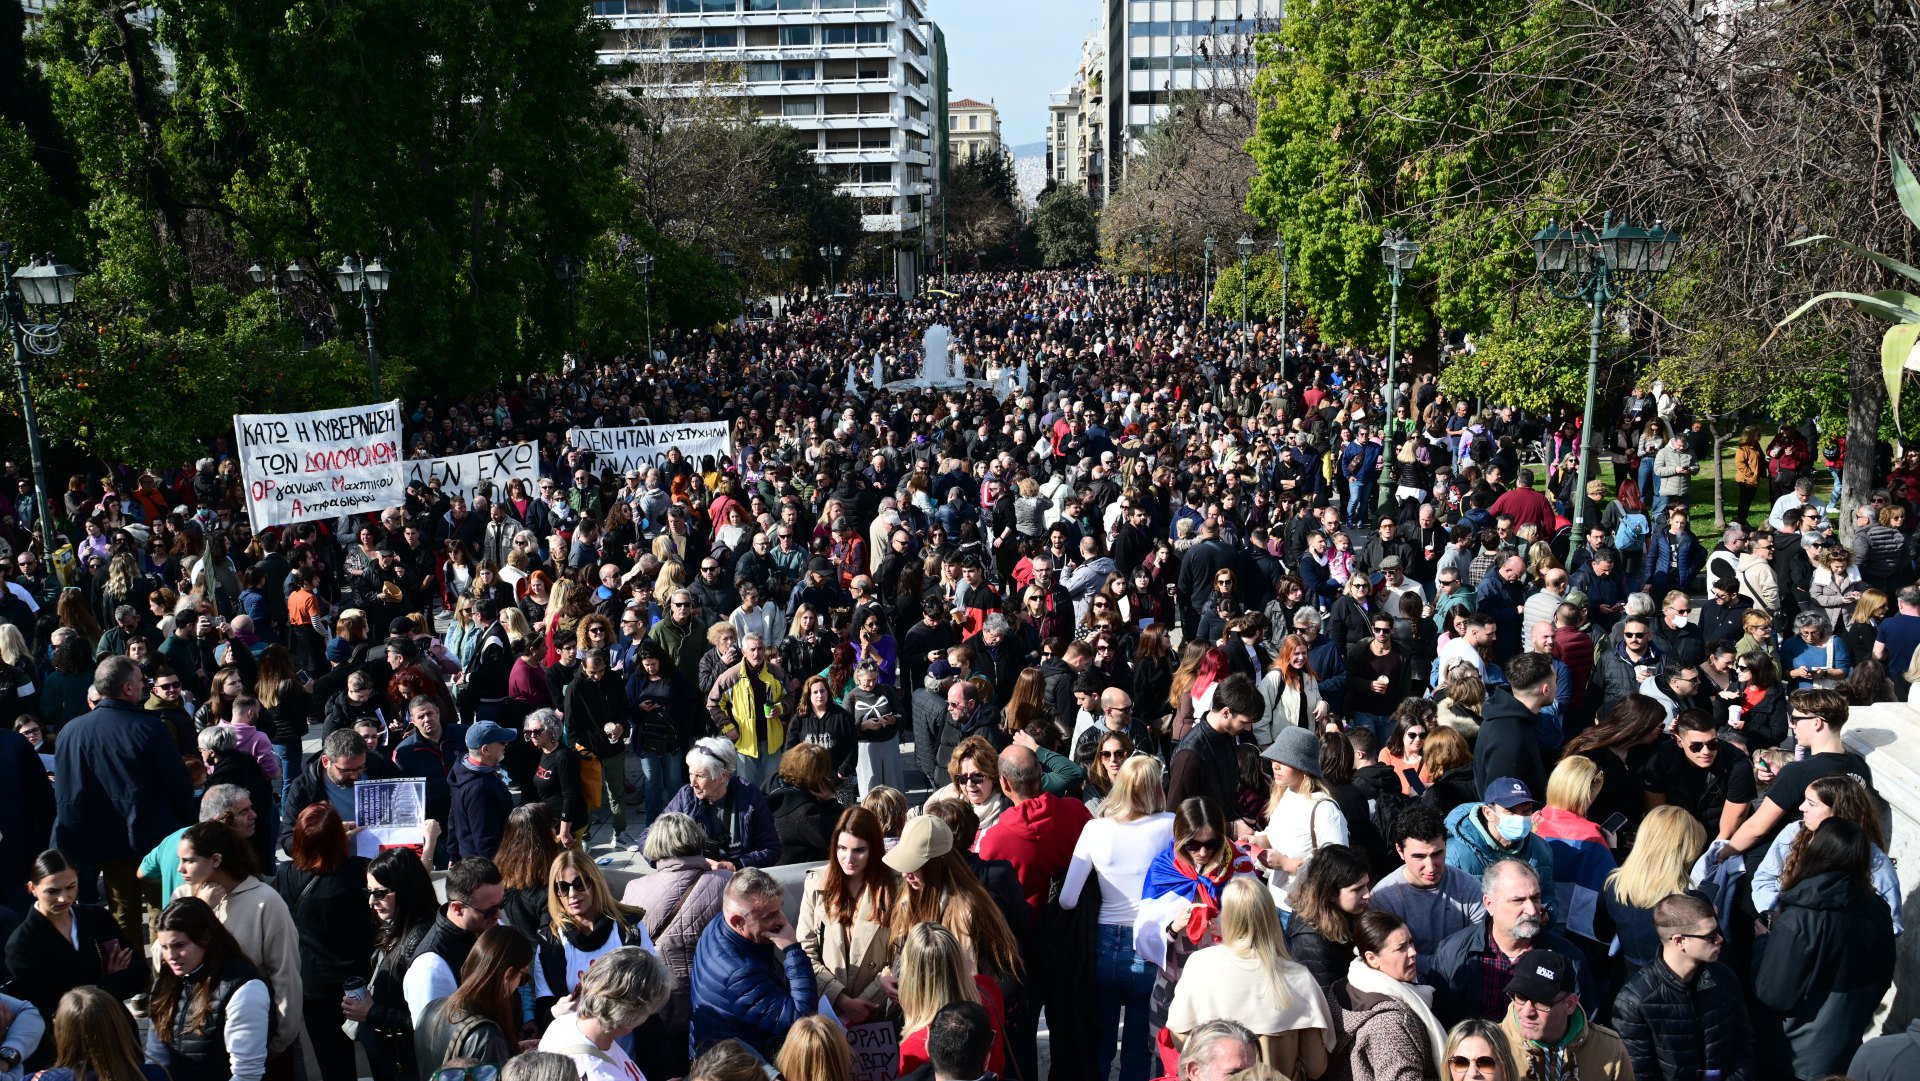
x=1300, y=826
x=428, y=979
x=1116, y=855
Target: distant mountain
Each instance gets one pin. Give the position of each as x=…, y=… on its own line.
x=1030, y=150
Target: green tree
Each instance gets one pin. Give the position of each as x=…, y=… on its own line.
x=1066, y=227
x=1375, y=113
x=983, y=215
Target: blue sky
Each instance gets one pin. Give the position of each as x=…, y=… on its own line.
x=1014, y=53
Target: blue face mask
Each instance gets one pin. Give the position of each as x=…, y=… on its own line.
x=1514, y=827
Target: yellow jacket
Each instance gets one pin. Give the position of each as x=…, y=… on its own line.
x=731, y=702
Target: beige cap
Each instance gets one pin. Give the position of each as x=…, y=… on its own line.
x=924, y=838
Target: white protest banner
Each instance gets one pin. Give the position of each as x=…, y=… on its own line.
x=389, y=813
x=299, y=467
x=647, y=444
x=483, y=472
x=876, y=1050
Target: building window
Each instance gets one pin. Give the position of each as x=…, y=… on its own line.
x=799, y=107
x=796, y=35
x=797, y=71
x=973, y=122
x=876, y=174
x=836, y=35
x=721, y=39
x=763, y=72
x=700, y=7
x=870, y=34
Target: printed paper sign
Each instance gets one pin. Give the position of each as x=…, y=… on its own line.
x=299, y=467
x=484, y=472
x=876, y=1050
x=647, y=444
x=389, y=813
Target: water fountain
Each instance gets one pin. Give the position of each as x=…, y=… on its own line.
x=937, y=370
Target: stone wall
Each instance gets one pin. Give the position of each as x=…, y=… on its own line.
x=1888, y=736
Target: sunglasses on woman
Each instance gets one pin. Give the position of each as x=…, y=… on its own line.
x=1485, y=1063
x=1212, y=844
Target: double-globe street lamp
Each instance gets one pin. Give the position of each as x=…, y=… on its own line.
x=1619, y=261
x=571, y=272
x=1206, y=286
x=1280, y=249
x=48, y=286
x=368, y=280
x=830, y=252
x=1398, y=253
x=1245, y=246
x=643, y=265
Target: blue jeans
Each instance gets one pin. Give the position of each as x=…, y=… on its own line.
x=290, y=764
x=661, y=775
x=1124, y=980
x=1380, y=724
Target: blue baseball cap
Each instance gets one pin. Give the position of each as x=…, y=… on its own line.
x=485, y=732
x=1510, y=792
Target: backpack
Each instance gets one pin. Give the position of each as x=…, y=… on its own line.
x=1631, y=534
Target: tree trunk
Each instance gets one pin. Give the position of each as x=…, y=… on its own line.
x=1719, y=472
x=1866, y=400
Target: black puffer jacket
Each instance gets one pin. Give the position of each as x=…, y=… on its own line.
x=1675, y=1029
x=1325, y=958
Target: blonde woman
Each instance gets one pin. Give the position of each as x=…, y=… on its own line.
x=519, y=631
x=1669, y=842
x=1115, y=850
x=1582, y=854
x=933, y=972
x=1836, y=585
x=1250, y=978
x=462, y=633
x=1302, y=815
x=815, y=1049
x=1478, y=1051
x=584, y=924
x=1462, y=699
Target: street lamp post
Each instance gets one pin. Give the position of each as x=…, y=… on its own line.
x=570, y=271
x=1280, y=249
x=1206, y=283
x=830, y=252
x=643, y=266
x=42, y=283
x=1245, y=246
x=1146, y=240
x=369, y=280
x=1398, y=253
x=727, y=260
x=262, y=276
x=1596, y=268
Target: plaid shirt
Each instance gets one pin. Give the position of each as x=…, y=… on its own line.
x=1496, y=971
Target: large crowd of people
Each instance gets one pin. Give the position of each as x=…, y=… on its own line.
x=1168, y=700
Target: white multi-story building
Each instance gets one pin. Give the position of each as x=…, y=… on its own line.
x=1075, y=119
x=857, y=75
x=1159, y=48
x=1064, y=162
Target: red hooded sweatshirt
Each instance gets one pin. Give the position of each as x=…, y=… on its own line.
x=1037, y=836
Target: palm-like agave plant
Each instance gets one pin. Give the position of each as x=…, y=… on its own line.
x=1898, y=352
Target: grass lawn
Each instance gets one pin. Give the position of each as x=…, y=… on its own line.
x=1700, y=502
